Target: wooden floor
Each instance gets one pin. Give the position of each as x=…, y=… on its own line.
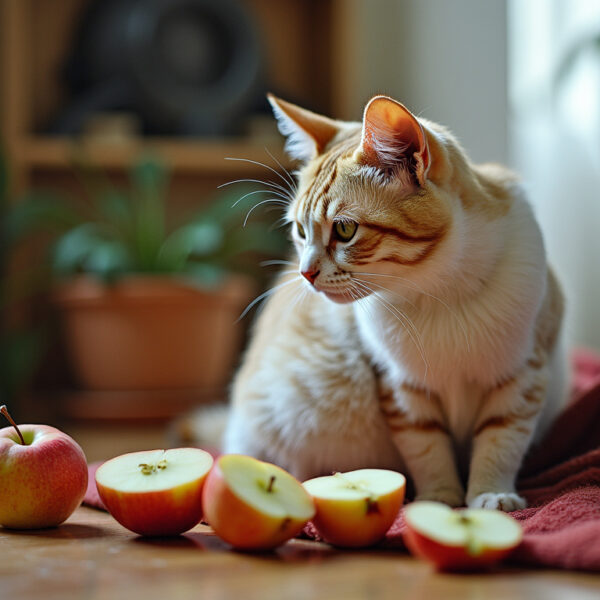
x=92, y=557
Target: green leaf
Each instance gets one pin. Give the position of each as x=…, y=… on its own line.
x=20, y=355
x=195, y=239
x=149, y=184
x=207, y=275
x=39, y=211
x=75, y=247
x=229, y=206
x=255, y=237
x=115, y=208
x=108, y=260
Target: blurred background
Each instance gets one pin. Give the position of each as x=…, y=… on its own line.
x=124, y=266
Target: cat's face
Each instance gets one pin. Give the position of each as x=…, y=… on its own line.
x=357, y=226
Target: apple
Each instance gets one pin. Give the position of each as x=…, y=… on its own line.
x=357, y=508
x=254, y=505
x=43, y=475
x=155, y=492
x=462, y=539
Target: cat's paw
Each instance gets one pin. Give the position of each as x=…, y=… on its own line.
x=505, y=501
x=450, y=496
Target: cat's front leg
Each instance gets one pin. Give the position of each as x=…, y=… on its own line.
x=417, y=428
x=501, y=437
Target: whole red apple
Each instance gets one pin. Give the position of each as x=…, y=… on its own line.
x=43, y=475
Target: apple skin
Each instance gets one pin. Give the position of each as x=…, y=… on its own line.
x=167, y=512
x=42, y=482
x=239, y=524
x=350, y=523
x=450, y=558
x=162, y=513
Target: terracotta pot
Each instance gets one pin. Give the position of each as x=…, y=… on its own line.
x=147, y=333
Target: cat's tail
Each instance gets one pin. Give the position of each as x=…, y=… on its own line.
x=203, y=427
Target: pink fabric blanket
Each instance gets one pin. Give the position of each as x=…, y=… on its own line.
x=560, y=479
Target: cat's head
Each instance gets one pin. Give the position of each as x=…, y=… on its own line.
x=371, y=210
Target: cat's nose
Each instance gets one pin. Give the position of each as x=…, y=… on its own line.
x=311, y=275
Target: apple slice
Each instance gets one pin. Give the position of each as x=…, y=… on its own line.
x=459, y=539
x=254, y=505
x=357, y=508
x=156, y=492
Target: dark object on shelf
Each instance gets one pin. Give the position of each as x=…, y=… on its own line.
x=186, y=67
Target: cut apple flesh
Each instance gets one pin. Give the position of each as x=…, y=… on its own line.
x=266, y=487
x=154, y=470
x=357, y=508
x=355, y=485
x=473, y=529
x=158, y=492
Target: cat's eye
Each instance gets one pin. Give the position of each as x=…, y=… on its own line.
x=345, y=230
x=300, y=230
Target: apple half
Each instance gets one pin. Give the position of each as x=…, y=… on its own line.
x=254, y=505
x=155, y=492
x=356, y=509
x=462, y=539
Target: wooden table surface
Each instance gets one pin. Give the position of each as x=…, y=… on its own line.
x=92, y=557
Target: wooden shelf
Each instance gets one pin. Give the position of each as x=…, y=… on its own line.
x=54, y=153
x=134, y=406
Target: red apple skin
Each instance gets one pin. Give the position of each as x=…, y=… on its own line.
x=451, y=558
x=344, y=524
x=161, y=513
x=238, y=523
x=42, y=482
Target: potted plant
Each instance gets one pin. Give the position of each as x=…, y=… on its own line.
x=146, y=305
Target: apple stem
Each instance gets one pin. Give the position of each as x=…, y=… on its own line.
x=271, y=482
x=5, y=412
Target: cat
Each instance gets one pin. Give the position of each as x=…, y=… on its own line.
x=419, y=327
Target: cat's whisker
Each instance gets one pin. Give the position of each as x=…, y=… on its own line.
x=275, y=186
x=269, y=263
x=265, y=294
x=384, y=289
x=419, y=290
x=260, y=164
x=406, y=322
x=267, y=201
x=280, y=223
x=275, y=193
x=293, y=184
x=300, y=297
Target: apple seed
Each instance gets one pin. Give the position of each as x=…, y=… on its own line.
x=372, y=506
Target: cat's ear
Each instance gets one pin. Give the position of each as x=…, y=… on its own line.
x=392, y=137
x=307, y=133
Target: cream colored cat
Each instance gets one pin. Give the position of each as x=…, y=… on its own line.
x=424, y=333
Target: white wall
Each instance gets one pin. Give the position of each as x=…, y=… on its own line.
x=555, y=144
x=445, y=59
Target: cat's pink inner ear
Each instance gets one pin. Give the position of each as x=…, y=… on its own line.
x=319, y=129
x=392, y=136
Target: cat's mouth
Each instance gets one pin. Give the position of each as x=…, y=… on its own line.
x=337, y=295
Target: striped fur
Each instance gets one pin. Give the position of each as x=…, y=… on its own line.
x=429, y=342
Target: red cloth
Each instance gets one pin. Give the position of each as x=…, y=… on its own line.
x=560, y=480
x=92, y=498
